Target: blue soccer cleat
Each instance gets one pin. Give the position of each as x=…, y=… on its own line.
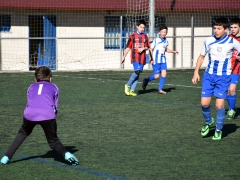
x=71, y=158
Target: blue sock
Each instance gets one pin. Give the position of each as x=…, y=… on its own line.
x=231, y=99
x=161, y=83
x=134, y=84
x=132, y=79
x=150, y=78
x=206, y=111
x=227, y=99
x=220, y=118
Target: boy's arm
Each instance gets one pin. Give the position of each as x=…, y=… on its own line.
x=28, y=92
x=146, y=46
x=142, y=49
x=151, y=54
x=171, y=51
x=153, y=44
x=200, y=59
x=128, y=48
x=56, y=100
x=238, y=57
x=237, y=47
x=196, y=76
x=125, y=54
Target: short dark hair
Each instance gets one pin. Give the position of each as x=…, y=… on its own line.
x=139, y=22
x=221, y=21
x=235, y=20
x=43, y=73
x=163, y=27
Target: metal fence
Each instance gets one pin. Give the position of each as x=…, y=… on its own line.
x=87, y=53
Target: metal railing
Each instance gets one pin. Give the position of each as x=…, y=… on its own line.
x=182, y=43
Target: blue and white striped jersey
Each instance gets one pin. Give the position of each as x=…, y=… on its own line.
x=159, y=46
x=219, y=54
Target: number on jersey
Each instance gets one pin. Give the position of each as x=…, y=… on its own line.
x=40, y=89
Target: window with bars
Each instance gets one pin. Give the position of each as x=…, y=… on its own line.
x=112, y=30
x=5, y=23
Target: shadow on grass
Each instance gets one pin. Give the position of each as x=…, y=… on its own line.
x=169, y=89
x=155, y=90
x=227, y=129
x=51, y=154
x=237, y=112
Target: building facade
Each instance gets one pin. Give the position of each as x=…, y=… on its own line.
x=91, y=35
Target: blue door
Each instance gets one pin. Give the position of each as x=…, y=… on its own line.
x=47, y=51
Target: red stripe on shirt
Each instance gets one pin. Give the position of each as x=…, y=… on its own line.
x=136, y=41
x=235, y=62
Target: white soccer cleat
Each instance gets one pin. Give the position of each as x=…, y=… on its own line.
x=71, y=158
x=5, y=160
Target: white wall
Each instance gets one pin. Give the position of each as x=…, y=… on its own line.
x=14, y=52
x=198, y=43
x=84, y=54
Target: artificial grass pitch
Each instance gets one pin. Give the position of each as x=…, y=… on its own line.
x=115, y=136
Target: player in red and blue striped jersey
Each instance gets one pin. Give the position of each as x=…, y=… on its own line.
x=217, y=77
x=138, y=43
x=232, y=96
x=41, y=109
